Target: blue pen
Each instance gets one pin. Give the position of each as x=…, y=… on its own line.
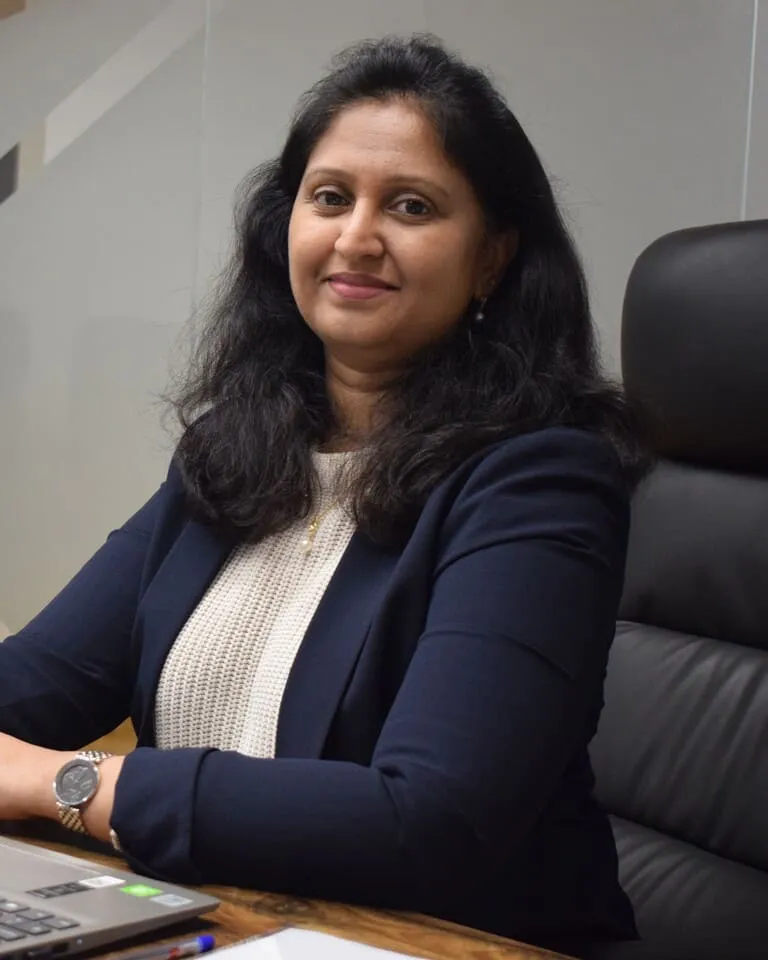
x=174, y=951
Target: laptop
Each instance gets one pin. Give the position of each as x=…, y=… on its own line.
x=52, y=904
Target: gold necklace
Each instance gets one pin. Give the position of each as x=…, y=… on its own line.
x=314, y=525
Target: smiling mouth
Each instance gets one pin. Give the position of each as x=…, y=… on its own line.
x=358, y=288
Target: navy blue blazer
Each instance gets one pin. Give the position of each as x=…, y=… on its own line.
x=432, y=741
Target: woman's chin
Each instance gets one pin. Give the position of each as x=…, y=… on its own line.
x=360, y=335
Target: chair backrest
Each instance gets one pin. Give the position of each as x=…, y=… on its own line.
x=681, y=755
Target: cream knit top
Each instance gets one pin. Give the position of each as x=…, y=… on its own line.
x=223, y=681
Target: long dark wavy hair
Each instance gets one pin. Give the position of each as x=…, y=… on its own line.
x=253, y=404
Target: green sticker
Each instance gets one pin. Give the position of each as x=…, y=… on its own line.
x=140, y=890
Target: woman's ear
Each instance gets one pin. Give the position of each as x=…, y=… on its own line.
x=499, y=252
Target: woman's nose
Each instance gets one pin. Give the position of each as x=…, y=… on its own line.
x=359, y=235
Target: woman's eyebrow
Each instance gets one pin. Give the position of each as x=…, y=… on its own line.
x=400, y=179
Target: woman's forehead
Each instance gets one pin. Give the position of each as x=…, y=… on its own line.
x=393, y=139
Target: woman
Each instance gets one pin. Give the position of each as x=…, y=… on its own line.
x=362, y=627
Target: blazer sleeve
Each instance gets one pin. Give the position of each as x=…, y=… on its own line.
x=502, y=691
x=66, y=678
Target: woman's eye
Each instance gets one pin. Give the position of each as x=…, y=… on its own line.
x=413, y=207
x=328, y=198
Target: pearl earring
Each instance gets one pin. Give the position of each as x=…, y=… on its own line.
x=480, y=314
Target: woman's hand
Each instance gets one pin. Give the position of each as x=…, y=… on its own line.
x=26, y=778
x=27, y=773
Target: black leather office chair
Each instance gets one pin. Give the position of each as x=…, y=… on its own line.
x=681, y=756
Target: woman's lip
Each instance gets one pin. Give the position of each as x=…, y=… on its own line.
x=354, y=291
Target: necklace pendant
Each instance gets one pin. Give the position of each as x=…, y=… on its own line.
x=312, y=527
x=309, y=539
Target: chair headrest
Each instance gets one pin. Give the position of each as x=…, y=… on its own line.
x=695, y=344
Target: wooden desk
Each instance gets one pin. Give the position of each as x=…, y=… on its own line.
x=246, y=913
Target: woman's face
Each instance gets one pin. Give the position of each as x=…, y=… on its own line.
x=386, y=240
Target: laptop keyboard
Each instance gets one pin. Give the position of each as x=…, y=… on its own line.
x=18, y=921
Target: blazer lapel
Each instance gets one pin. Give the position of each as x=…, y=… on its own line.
x=331, y=646
x=175, y=590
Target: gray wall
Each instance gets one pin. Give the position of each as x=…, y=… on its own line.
x=136, y=121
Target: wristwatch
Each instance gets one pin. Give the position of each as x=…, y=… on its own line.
x=76, y=785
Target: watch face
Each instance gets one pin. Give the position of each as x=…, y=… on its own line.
x=76, y=782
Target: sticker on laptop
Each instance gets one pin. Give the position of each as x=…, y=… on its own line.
x=171, y=900
x=96, y=883
x=140, y=890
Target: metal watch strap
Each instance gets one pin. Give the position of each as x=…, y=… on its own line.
x=115, y=840
x=71, y=817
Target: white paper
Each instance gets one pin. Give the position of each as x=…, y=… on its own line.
x=296, y=944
